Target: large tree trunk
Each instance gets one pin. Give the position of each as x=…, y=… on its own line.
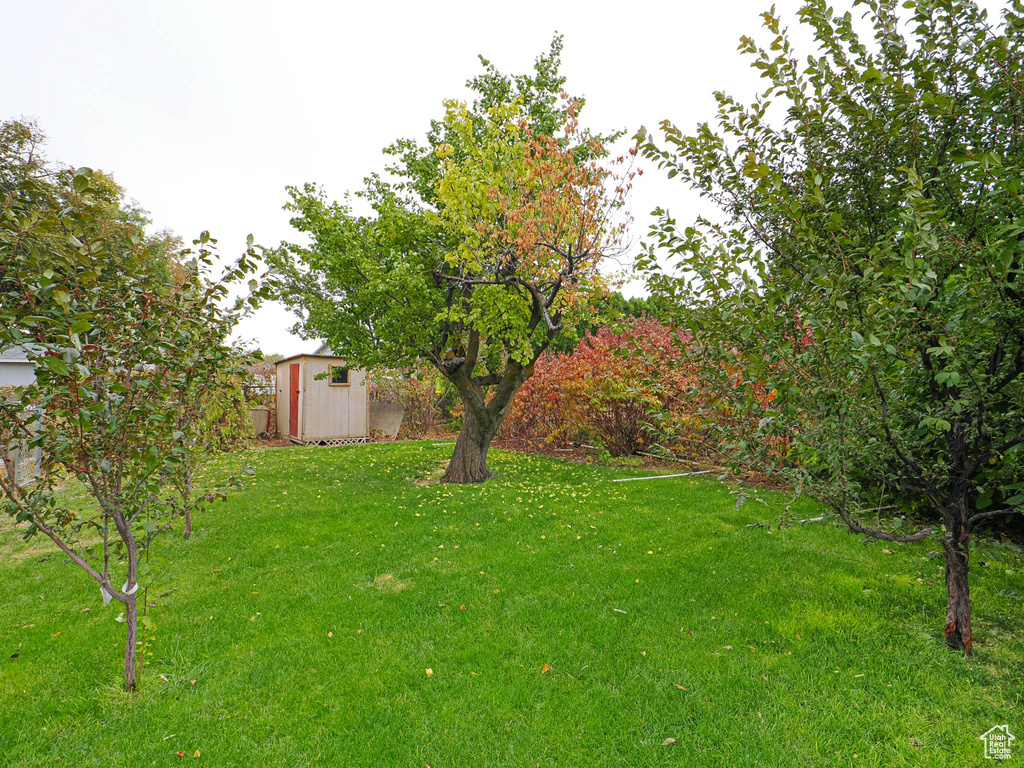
x=479, y=427
x=469, y=461
x=958, y=601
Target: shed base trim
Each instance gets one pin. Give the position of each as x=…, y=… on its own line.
x=333, y=441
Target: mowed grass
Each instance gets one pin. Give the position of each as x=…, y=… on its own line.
x=310, y=605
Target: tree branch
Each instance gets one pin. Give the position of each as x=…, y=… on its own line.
x=486, y=381
x=472, y=352
x=468, y=281
x=995, y=513
x=929, y=489
x=539, y=305
x=855, y=526
x=78, y=559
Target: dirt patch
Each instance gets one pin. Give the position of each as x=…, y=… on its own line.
x=15, y=549
x=387, y=582
x=275, y=442
x=433, y=477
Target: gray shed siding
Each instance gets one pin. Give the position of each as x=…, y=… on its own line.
x=16, y=370
x=325, y=412
x=16, y=374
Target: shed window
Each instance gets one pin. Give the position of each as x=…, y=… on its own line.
x=338, y=376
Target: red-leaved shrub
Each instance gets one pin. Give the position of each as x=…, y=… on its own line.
x=621, y=390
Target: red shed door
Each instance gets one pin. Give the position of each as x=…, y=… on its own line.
x=293, y=399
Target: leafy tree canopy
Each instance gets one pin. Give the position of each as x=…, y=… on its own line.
x=481, y=243
x=49, y=189
x=614, y=311
x=868, y=268
x=125, y=354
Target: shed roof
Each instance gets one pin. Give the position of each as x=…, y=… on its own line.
x=308, y=354
x=18, y=353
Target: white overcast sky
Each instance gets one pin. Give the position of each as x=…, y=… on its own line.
x=205, y=110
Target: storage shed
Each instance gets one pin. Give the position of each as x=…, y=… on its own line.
x=16, y=370
x=330, y=410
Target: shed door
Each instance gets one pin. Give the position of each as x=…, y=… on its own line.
x=293, y=399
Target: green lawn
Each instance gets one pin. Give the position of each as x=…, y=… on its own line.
x=309, y=607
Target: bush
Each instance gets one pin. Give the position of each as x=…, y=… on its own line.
x=622, y=390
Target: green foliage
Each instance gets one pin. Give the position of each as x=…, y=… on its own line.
x=541, y=98
x=367, y=282
x=115, y=350
x=442, y=256
x=612, y=311
x=213, y=415
x=49, y=189
x=869, y=266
